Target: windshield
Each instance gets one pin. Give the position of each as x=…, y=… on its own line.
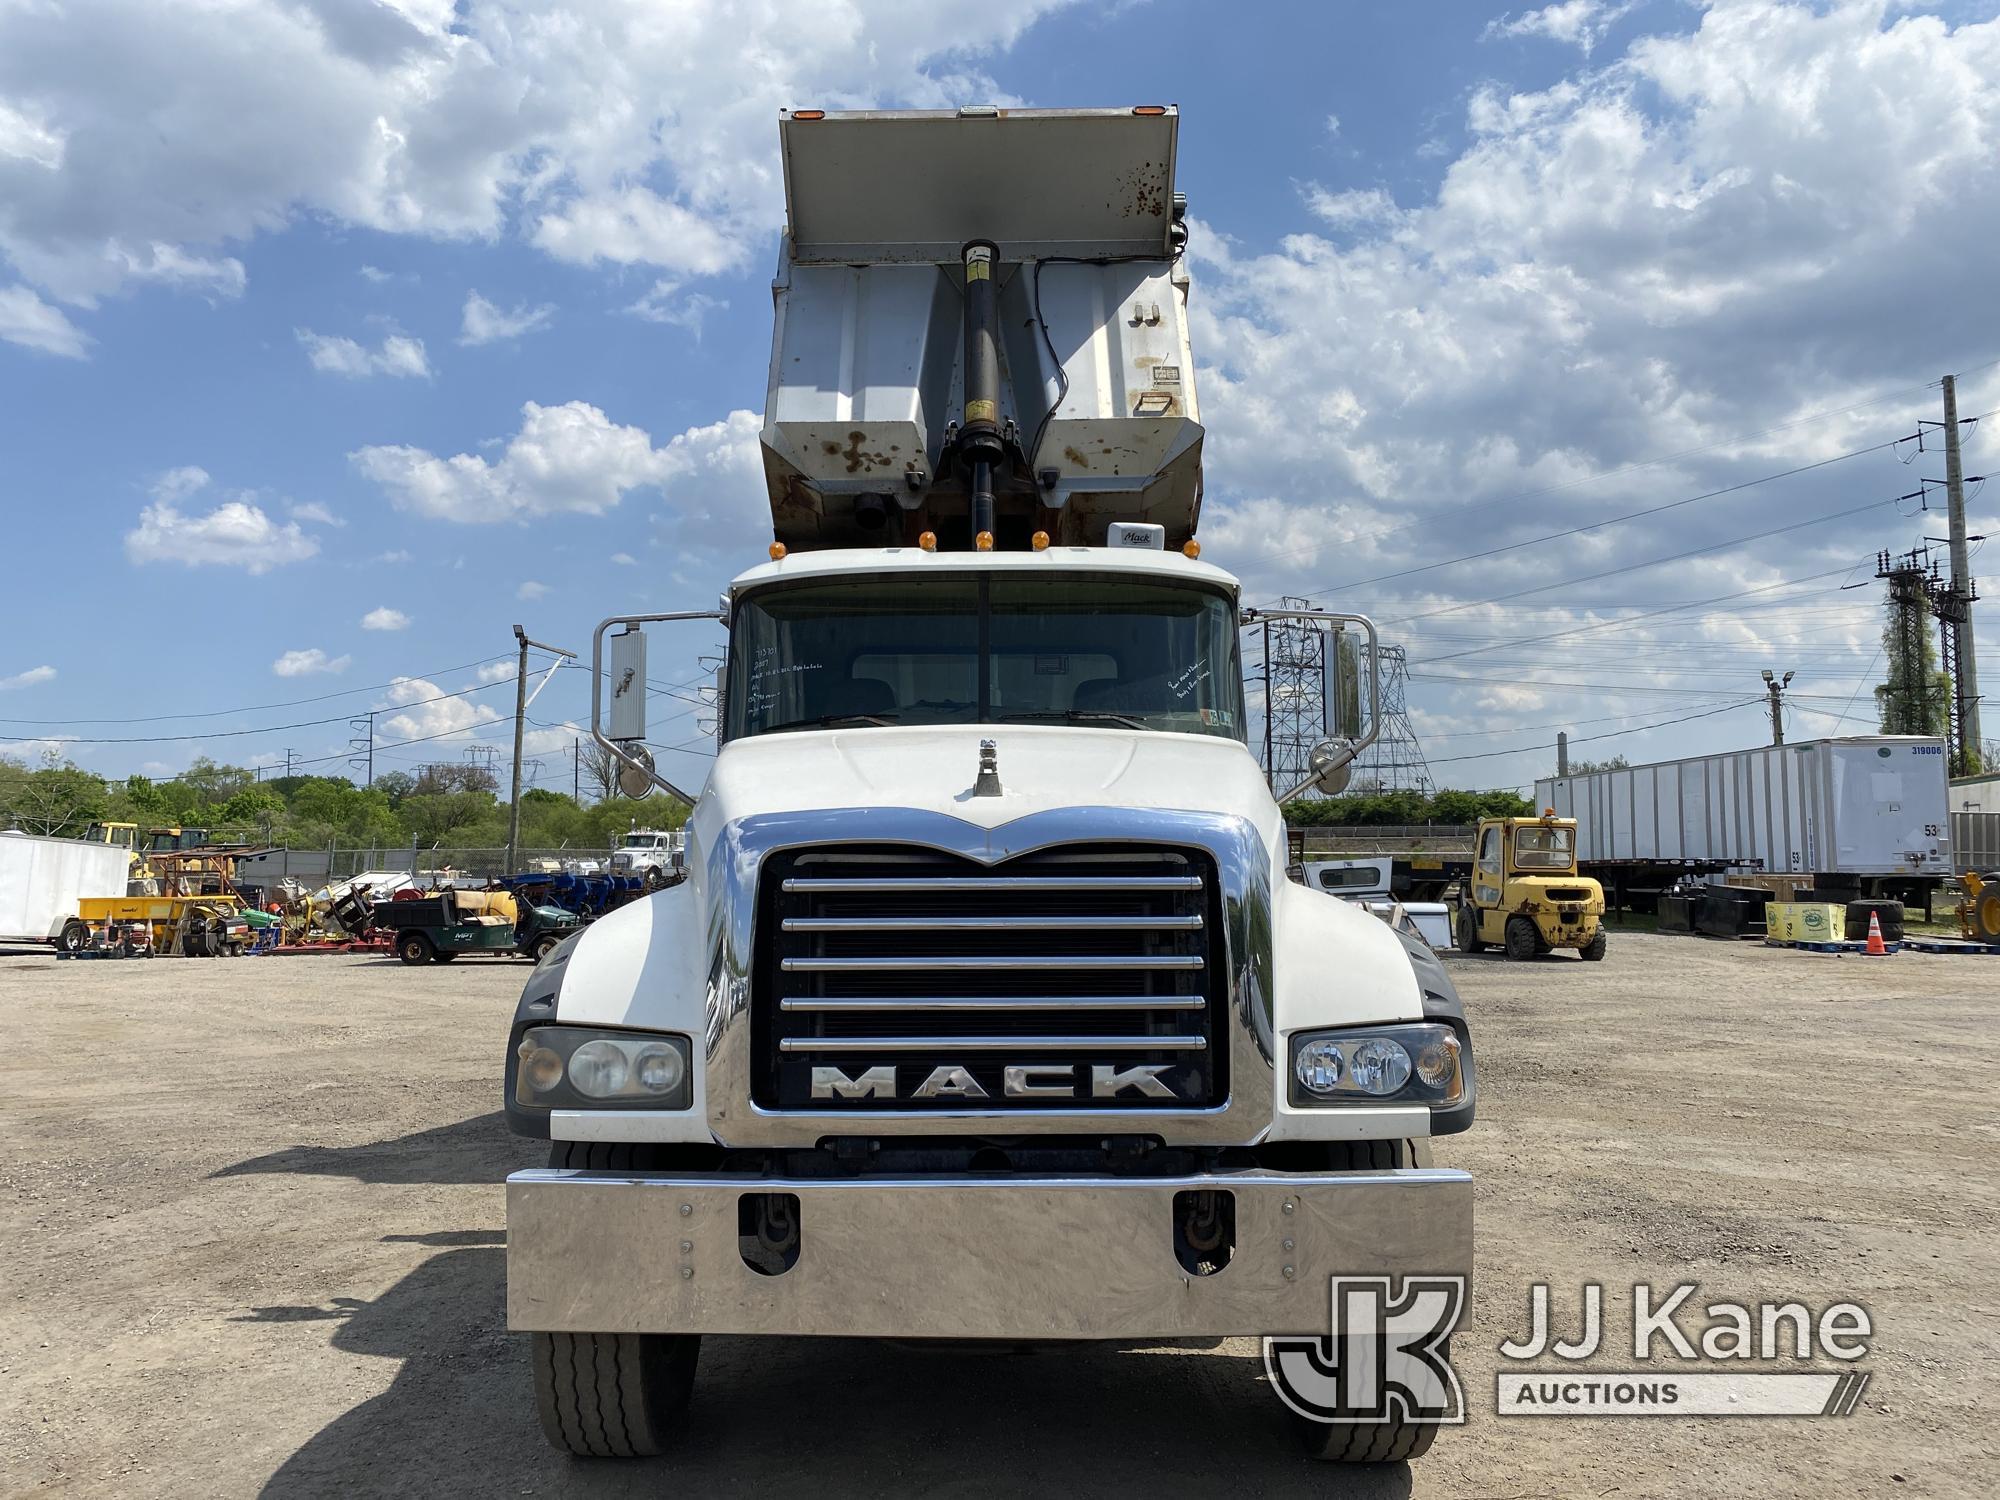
x=980, y=648
x=1544, y=848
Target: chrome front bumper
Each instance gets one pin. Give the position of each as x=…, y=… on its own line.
x=967, y=1258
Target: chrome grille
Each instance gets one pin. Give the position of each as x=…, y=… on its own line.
x=1049, y=970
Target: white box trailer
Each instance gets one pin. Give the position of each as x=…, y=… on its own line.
x=42, y=879
x=1867, y=813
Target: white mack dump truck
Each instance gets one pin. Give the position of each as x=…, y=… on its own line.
x=986, y=1011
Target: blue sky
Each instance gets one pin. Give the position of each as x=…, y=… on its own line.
x=444, y=319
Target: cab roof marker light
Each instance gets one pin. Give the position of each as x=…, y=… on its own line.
x=777, y=552
x=928, y=541
x=1040, y=541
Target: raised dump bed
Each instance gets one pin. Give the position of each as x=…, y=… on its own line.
x=1074, y=319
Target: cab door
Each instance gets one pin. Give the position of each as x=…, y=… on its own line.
x=1487, y=875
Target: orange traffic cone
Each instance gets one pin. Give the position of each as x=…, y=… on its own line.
x=1875, y=944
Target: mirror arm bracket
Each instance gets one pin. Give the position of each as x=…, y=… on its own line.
x=597, y=734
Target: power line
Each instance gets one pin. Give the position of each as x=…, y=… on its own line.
x=1556, y=536
x=223, y=713
x=1610, y=735
x=1487, y=505
x=225, y=734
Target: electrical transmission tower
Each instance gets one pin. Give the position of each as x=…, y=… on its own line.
x=1909, y=691
x=361, y=747
x=1395, y=762
x=1294, y=696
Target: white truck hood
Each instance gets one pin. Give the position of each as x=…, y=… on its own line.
x=934, y=768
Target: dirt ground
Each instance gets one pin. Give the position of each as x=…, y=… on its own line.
x=252, y=1231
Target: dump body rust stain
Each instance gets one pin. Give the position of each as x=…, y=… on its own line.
x=856, y=459
x=1076, y=457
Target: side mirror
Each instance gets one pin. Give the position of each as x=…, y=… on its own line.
x=628, y=685
x=1343, y=716
x=1332, y=766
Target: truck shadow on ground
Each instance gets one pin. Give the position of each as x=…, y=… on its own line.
x=478, y=1150
x=796, y=1416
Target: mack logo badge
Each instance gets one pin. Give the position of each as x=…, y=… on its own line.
x=1017, y=1081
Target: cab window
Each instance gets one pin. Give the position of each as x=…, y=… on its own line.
x=1544, y=848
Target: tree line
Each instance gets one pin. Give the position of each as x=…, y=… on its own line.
x=451, y=805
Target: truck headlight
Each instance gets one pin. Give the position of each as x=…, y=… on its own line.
x=1417, y=1063
x=579, y=1067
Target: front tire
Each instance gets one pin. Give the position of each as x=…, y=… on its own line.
x=1593, y=951
x=1367, y=1442
x=1522, y=939
x=1469, y=940
x=415, y=948
x=611, y=1395
x=546, y=946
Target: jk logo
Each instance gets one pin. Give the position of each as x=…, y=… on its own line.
x=1385, y=1356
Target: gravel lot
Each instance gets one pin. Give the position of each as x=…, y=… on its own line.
x=252, y=1225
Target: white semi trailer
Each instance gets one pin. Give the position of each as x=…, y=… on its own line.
x=1859, y=817
x=43, y=879
x=986, y=1011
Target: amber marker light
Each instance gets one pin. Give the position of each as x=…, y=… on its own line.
x=1149, y=109
x=1191, y=547
x=777, y=552
x=1040, y=541
x=984, y=541
x=808, y=114
x=928, y=541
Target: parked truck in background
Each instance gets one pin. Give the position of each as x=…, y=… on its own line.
x=986, y=1011
x=655, y=855
x=1862, y=817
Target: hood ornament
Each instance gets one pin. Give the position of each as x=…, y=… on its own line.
x=988, y=784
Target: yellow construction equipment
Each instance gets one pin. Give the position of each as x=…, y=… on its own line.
x=1524, y=894
x=1979, y=912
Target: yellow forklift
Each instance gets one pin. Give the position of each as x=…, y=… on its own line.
x=1524, y=894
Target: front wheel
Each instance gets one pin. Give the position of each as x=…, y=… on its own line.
x=1593, y=951
x=613, y=1395
x=1469, y=940
x=545, y=946
x=1522, y=939
x=414, y=948
x=1367, y=1442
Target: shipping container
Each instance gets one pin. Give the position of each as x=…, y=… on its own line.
x=1865, y=813
x=43, y=879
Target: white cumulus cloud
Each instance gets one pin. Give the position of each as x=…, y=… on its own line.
x=235, y=534
x=1575, y=23
x=385, y=618
x=33, y=677
x=532, y=590
x=616, y=131
x=428, y=713
x=563, y=458
x=483, y=322
x=27, y=320
x=397, y=355
x=310, y=662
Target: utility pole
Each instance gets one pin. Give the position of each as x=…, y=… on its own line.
x=576, y=771
x=1562, y=752
x=520, y=726
x=1775, y=686
x=1965, y=666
